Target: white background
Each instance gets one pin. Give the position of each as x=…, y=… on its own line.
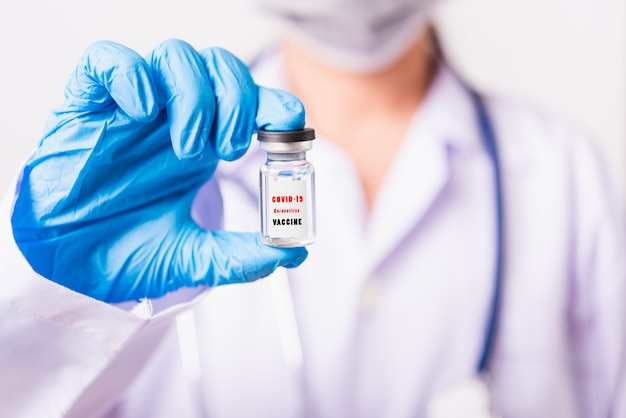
x=566, y=56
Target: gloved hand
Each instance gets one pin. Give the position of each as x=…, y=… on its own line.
x=104, y=204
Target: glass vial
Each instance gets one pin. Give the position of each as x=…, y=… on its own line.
x=287, y=194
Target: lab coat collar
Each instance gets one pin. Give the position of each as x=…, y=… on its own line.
x=449, y=112
x=445, y=123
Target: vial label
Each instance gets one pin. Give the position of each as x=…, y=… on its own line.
x=287, y=208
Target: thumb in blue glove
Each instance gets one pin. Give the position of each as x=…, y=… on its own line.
x=104, y=205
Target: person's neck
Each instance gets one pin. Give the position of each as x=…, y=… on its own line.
x=365, y=114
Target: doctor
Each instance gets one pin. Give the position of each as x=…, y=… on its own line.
x=119, y=226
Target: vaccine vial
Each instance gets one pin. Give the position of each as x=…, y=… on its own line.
x=287, y=193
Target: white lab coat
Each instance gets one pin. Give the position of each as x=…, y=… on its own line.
x=391, y=305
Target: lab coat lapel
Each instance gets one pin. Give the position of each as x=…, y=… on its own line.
x=444, y=122
x=418, y=176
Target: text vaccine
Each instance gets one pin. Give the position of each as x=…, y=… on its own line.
x=287, y=196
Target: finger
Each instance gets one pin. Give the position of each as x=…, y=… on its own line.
x=279, y=111
x=222, y=257
x=236, y=96
x=184, y=87
x=110, y=73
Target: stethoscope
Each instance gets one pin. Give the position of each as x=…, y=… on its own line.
x=488, y=138
x=284, y=307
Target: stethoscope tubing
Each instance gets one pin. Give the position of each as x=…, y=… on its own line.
x=489, y=141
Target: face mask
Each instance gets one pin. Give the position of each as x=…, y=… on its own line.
x=353, y=35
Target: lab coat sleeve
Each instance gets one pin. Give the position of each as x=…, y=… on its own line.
x=599, y=285
x=63, y=354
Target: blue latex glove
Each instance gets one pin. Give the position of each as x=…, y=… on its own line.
x=104, y=205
